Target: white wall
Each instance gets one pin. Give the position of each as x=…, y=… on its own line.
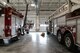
x=32, y=16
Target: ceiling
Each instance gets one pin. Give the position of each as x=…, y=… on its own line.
x=46, y=7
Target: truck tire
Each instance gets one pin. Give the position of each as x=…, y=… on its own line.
x=59, y=36
x=27, y=32
x=69, y=43
x=48, y=33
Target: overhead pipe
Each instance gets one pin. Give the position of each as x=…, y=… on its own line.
x=37, y=3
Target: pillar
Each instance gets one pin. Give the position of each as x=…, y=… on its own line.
x=37, y=28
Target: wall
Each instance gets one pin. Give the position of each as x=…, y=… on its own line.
x=32, y=16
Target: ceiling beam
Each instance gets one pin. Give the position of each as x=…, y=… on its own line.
x=51, y=2
x=47, y=10
x=18, y=3
x=34, y=10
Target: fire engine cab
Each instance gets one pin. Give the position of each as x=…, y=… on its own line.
x=65, y=23
x=10, y=21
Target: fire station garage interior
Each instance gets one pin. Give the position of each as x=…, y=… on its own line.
x=39, y=26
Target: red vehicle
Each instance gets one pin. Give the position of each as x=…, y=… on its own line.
x=10, y=21
x=65, y=23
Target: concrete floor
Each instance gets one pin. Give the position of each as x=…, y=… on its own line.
x=34, y=43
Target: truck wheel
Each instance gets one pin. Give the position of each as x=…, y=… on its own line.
x=59, y=36
x=48, y=33
x=27, y=32
x=69, y=43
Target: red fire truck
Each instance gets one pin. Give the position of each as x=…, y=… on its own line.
x=10, y=21
x=65, y=23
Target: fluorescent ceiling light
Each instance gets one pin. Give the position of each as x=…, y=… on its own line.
x=2, y=15
x=33, y=5
x=43, y=25
x=4, y=3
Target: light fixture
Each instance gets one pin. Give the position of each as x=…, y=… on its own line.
x=55, y=25
x=4, y=3
x=33, y=5
x=2, y=15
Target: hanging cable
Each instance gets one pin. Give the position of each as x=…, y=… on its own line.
x=8, y=1
x=25, y=19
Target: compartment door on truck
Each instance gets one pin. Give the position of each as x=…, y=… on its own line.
x=17, y=23
x=55, y=26
x=61, y=21
x=71, y=22
x=78, y=31
x=1, y=26
x=13, y=26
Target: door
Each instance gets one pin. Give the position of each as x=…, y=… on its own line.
x=55, y=26
x=50, y=26
x=71, y=22
x=61, y=21
x=78, y=31
x=1, y=26
x=13, y=26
